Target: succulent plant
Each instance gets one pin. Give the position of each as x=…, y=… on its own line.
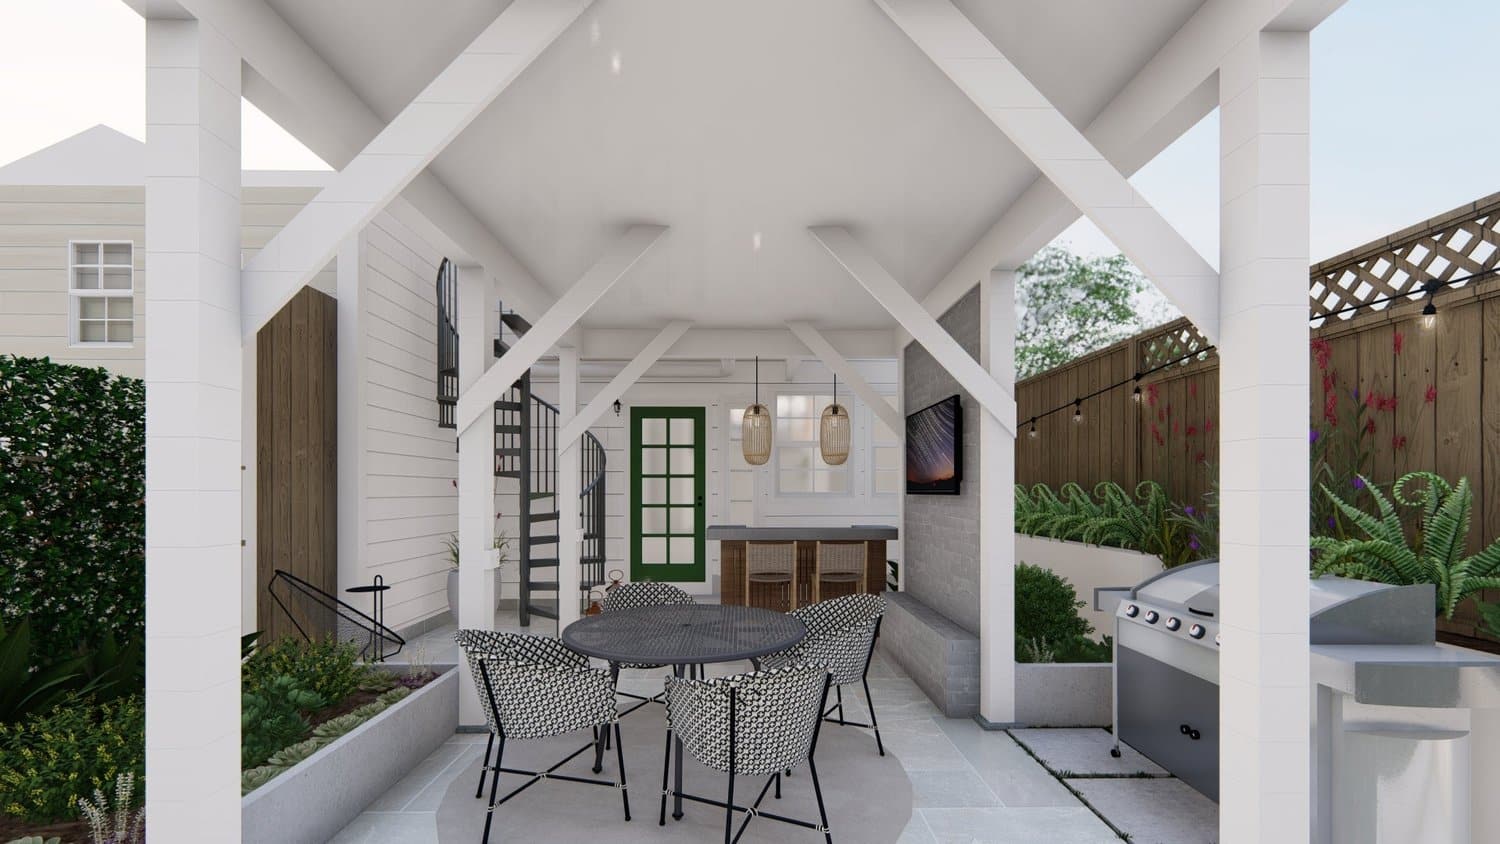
x=257, y=777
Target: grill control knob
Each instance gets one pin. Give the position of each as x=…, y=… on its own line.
x=1131, y=610
x=1151, y=616
x=1196, y=631
x=1216, y=638
x=1173, y=623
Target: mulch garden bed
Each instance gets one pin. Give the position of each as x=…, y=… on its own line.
x=70, y=832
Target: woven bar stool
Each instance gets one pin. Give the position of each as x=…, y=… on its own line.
x=840, y=562
x=772, y=562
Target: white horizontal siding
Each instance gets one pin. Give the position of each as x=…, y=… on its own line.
x=409, y=462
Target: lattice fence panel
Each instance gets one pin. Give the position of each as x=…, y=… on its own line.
x=1455, y=246
x=1175, y=342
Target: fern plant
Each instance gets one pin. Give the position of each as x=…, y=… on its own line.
x=1436, y=553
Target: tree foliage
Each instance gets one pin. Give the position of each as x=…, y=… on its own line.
x=1068, y=305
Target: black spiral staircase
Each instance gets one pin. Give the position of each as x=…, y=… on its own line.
x=526, y=428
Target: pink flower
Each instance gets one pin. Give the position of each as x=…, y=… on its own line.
x=1322, y=352
x=1431, y=395
x=1397, y=341
x=1398, y=441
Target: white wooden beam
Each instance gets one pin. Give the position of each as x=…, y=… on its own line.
x=710, y=343
x=1063, y=154
x=569, y=490
x=287, y=79
x=610, y=268
x=921, y=325
x=1170, y=94
x=570, y=433
x=818, y=345
x=403, y=149
x=997, y=515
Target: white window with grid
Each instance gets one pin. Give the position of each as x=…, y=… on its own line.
x=101, y=288
x=887, y=455
x=799, y=463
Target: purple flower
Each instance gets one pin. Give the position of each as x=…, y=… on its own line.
x=1193, y=543
x=1359, y=483
x=1190, y=511
x=1330, y=523
x=1312, y=435
x=1356, y=394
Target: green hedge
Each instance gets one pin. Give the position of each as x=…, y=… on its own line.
x=72, y=502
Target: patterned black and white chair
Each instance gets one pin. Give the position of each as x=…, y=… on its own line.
x=628, y=596
x=756, y=724
x=533, y=687
x=841, y=634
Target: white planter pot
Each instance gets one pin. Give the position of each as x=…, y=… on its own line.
x=312, y=801
x=1088, y=567
x=1064, y=694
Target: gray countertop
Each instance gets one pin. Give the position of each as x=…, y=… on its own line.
x=743, y=533
x=1434, y=675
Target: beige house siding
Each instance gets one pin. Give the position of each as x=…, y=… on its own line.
x=36, y=225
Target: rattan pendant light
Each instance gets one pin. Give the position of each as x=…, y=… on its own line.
x=833, y=430
x=755, y=428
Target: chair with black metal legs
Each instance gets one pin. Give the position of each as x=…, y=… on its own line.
x=533, y=687
x=841, y=634
x=756, y=724
x=632, y=596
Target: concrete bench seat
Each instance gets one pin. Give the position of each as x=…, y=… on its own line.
x=941, y=657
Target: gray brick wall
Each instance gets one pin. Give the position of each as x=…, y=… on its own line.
x=940, y=536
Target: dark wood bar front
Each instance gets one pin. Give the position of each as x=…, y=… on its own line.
x=734, y=542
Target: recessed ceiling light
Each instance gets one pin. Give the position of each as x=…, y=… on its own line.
x=614, y=63
x=755, y=241
x=594, y=31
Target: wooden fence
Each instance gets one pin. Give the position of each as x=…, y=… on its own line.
x=1432, y=401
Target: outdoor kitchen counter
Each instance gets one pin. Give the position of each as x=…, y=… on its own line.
x=735, y=539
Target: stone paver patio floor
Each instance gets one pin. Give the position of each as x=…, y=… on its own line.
x=969, y=786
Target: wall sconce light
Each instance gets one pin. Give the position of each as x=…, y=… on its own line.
x=617, y=407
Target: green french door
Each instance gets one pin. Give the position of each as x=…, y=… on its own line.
x=666, y=485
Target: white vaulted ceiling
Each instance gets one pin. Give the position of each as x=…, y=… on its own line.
x=732, y=117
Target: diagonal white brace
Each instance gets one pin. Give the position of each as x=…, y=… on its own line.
x=401, y=151
x=1067, y=158
x=922, y=326
x=819, y=345
x=663, y=342
x=610, y=268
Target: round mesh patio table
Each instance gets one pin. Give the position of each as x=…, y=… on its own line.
x=684, y=634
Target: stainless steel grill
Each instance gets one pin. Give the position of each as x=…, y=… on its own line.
x=1167, y=656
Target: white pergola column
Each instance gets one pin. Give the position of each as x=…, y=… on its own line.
x=1263, y=446
x=569, y=485
x=997, y=517
x=353, y=355
x=476, y=477
x=193, y=428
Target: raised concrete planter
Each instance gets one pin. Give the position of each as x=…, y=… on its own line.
x=1088, y=567
x=312, y=801
x=1063, y=694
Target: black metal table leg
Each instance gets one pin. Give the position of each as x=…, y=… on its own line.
x=677, y=769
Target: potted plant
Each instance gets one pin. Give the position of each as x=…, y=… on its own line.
x=499, y=559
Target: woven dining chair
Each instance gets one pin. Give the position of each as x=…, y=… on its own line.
x=841, y=634
x=533, y=687
x=772, y=563
x=839, y=562
x=634, y=596
x=757, y=724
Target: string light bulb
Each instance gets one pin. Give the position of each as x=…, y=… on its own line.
x=1429, y=314
x=1135, y=395
x=1078, y=411
x=1032, y=433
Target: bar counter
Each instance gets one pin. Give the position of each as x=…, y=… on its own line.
x=734, y=539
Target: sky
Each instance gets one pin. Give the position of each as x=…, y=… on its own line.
x=1403, y=116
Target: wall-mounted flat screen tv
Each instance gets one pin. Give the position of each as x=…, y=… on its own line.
x=935, y=449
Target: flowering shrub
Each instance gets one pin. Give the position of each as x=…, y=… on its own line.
x=50, y=760
x=72, y=502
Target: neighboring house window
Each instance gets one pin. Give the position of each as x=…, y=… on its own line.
x=101, y=284
x=799, y=464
